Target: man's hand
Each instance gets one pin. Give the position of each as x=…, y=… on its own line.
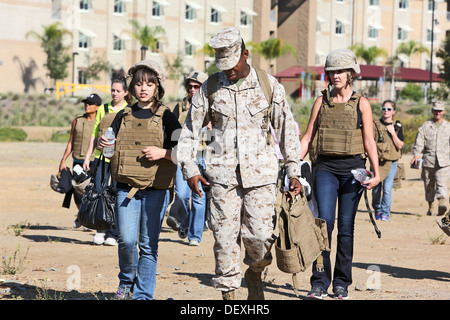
x=193, y=184
x=295, y=186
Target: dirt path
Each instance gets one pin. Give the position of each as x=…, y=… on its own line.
x=60, y=262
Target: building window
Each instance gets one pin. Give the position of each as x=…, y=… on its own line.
x=403, y=4
x=84, y=5
x=373, y=32
x=118, y=43
x=402, y=34
x=81, y=77
x=119, y=6
x=430, y=5
x=188, y=48
x=189, y=13
x=245, y=20
x=215, y=15
x=339, y=27
x=374, y=2
x=83, y=40
x=157, y=9
x=429, y=34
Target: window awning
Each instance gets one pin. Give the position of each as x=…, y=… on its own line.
x=249, y=12
x=87, y=32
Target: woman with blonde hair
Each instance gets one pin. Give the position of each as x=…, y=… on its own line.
x=340, y=133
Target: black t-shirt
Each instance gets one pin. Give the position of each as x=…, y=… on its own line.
x=397, y=127
x=170, y=123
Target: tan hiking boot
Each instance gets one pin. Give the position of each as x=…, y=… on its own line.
x=442, y=208
x=228, y=295
x=430, y=208
x=254, y=285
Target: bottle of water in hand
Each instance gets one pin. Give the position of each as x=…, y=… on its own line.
x=362, y=174
x=108, y=151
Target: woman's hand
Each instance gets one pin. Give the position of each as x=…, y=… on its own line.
x=371, y=183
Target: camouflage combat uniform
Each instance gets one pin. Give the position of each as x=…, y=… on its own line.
x=433, y=141
x=242, y=168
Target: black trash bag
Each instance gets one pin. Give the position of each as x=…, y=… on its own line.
x=97, y=209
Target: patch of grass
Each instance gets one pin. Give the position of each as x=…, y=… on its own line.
x=13, y=265
x=12, y=134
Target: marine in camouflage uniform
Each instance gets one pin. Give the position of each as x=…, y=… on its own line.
x=433, y=141
x=241, y=165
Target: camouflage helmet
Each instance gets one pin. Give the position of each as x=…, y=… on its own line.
x=342, y=59
x=153, y=66
x=196, y=76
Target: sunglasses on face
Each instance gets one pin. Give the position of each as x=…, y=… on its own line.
x=387, y=109
x=195, y=86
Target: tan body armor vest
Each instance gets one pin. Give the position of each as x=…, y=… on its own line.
x=385, y=145
x=338, y=133
x=105, y=123
x=129, y=165
x=183, y=109
x=82, y=137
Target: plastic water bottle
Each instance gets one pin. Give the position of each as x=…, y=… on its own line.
x=108, y=151
x=361, y=174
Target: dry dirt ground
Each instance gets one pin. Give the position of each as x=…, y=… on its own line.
x=56, y=261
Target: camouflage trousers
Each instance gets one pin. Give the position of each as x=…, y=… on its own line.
x=241, y=214
x=435, y=182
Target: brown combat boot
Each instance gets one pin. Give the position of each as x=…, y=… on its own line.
x=430, y=208
x=254, y=285
x=442, y=208
x=228, y=295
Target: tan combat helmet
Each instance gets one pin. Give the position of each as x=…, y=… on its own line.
x=196, y=76
x=342, y=59
x=155, y=67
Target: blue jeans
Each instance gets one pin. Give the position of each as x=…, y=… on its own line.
x=382, y=204
x=193, y=207
x=343, y=190
x=140, y=222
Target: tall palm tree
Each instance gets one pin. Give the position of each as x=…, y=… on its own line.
x=272, y=48
x=411, y=48
x=369, y=55
x=52, y=42
x=147, y=36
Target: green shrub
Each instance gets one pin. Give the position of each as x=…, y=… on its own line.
x=412, y=92
x=12, y=134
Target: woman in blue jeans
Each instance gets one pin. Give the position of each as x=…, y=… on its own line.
x=389, y=138
x=340, y=137
x=144, y=172
x=193, y=222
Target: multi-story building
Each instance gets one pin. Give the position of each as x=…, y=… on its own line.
x=325, y=25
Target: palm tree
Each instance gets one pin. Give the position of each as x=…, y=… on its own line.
x=272, y=49
x=147, y=36
x=410, y=48
x=369, y=55
x=57, y=53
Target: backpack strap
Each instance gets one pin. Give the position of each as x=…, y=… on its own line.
x=105, y=106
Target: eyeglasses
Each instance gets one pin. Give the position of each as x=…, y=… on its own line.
x=387, y=109
x=195, y=86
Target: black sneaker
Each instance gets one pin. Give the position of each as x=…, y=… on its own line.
x=317, y=293
x=340, y=293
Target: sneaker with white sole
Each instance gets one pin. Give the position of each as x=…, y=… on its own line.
x=110, y=242
x=99, y=238
x=340, y=293
x=194, y=242
x=317, y=293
